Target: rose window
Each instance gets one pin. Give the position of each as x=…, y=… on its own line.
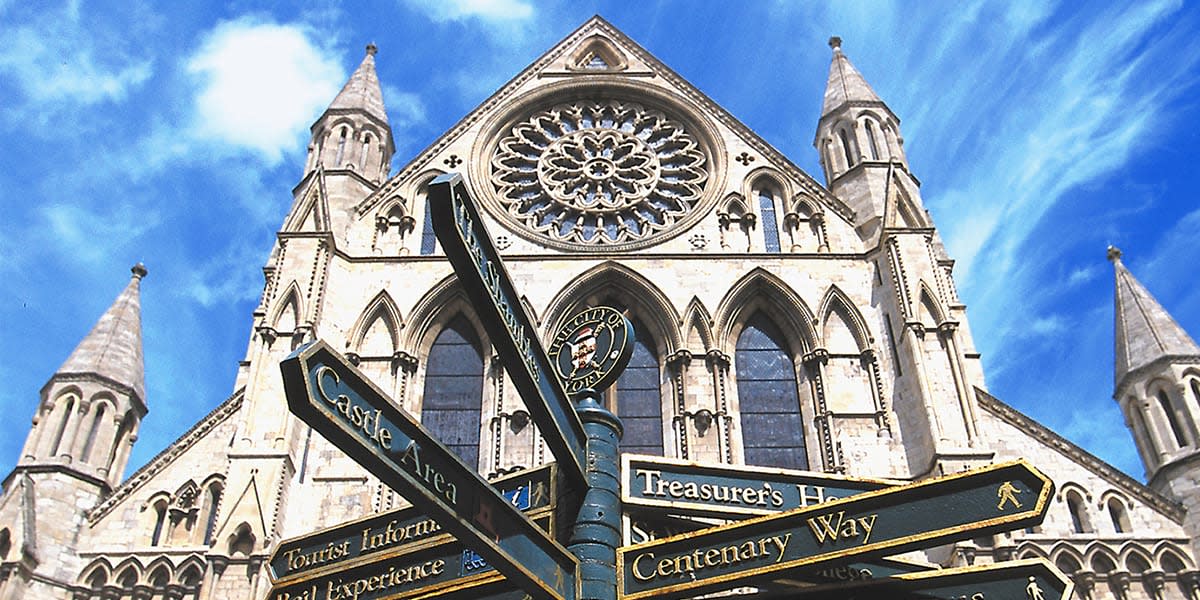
x=598, y=174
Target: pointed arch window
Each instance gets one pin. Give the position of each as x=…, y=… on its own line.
x=639, y=397
x=772, y=426
x=872, y=140
x=1196, y=391
x=61, y=426
x=1168, y=409
x=212, y=500
x=1120, y=519
x=847, y=150
x=366, y=150
x=97, y=421
x=454, y=389
x=1079, y=520
x=341, y=148
x=428, y=238
x=5, y=543
x=160, y=519
x=766, y=205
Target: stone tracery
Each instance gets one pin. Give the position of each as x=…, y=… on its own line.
x=598, y=173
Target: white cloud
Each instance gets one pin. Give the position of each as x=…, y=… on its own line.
x=262, y=85
x=1083, y=275
x=489, y=10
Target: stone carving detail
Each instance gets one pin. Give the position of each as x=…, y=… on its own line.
x=598, y=174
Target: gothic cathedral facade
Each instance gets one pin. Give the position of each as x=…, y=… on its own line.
x=783, y=319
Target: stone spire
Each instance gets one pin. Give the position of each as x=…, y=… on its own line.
x=362, y=91
x=1145, y=332
x=113, y=349
x=845, y=84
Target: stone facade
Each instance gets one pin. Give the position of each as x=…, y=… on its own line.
x=605, y=178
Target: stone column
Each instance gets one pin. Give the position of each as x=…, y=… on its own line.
x=597, y=531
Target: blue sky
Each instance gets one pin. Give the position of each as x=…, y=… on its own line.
x=1041, y=132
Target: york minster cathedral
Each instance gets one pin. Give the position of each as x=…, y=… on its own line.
x=784, y=319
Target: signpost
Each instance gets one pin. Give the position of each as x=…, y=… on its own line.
x=477, y=263
x=810, y=535
x=335, y=399
x=397, y=532
x=985, y=500
x=726, y=491
x=1032, y=579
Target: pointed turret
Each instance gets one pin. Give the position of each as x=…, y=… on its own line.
x=860, y=148
x=353, y=135
x=113, y=348
x=1145, y=332
x=1158, y=389
x=91, y=407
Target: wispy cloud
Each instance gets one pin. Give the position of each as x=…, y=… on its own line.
x=486, y=10
x=260, y=85
x=55, y=62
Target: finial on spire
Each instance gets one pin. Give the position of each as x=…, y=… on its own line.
x=139, y=270
x=1114, y=253
x=835, y=42
x=372, y=49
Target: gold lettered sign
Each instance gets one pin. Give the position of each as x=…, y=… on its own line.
x=592, y=349
x=678, y=487
x=873, y=524
x=397, y=532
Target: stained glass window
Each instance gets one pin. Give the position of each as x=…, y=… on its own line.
x=766, y=203
x=428, y=237
x=450, y=408
x=639, y=397
x=772, y=426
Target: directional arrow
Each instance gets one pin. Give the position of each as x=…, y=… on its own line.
x=334, y=398
x=482, y=274
x=1032, y=579
x=890, y=521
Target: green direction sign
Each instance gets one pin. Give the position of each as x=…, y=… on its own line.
x=335, y=399
x=1034, y=579
x=396, y=532
x=482, y=274
x=884, y=522
x=726, y=491
x=433, y=569
x=646, y=526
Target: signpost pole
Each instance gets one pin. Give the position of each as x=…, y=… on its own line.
x=597, y=532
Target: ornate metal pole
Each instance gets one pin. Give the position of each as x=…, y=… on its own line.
x=597, y=531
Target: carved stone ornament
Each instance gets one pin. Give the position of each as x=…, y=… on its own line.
x=598, y=175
